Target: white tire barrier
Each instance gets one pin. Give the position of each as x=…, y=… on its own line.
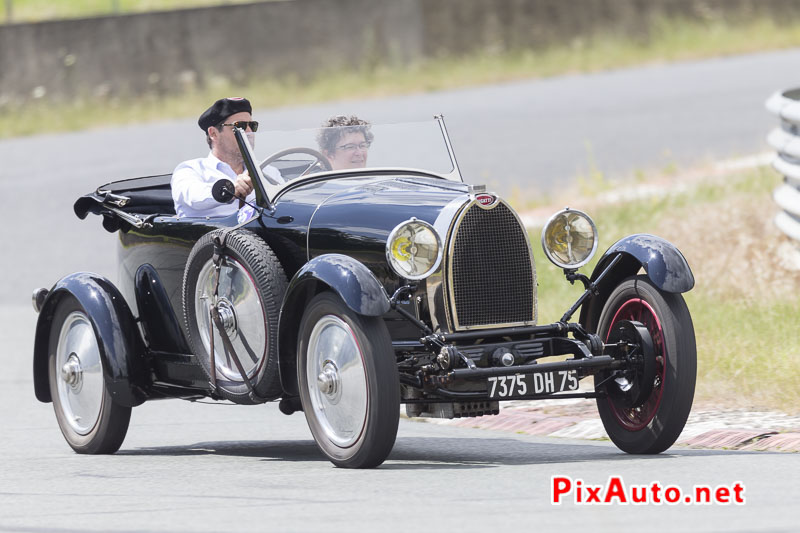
x=785, y=139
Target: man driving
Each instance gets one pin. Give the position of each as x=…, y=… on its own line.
x=192, y=180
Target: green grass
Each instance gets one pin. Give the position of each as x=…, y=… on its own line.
x=745, y=310
x=38, y=10
x=670, y=40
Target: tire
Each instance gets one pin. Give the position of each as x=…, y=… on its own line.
x=89, y=419
x=251, y=288
x=354, y=415
x=656, y=424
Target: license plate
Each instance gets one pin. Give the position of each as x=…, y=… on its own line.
x=528, y=384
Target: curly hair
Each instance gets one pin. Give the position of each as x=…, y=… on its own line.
x=337, y=127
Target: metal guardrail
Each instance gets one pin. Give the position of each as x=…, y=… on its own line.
x=786, y=140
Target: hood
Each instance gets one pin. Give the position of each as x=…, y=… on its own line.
x=356, y=216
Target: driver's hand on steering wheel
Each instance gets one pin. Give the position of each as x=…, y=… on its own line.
x=243, y=185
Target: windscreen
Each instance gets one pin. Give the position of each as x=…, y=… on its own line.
x=290, y=155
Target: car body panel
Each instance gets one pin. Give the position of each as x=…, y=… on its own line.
x=160, y=325
x=350, y=279
x=664, y=263
x=120, y=344
x=454, y=335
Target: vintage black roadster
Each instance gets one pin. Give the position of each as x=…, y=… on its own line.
x=350, y=292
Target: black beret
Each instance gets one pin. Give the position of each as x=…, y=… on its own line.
x=222, y=109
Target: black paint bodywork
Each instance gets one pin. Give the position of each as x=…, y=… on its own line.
x=164, y=334
x=328, y=232
x=121, y=347
x=661, y=260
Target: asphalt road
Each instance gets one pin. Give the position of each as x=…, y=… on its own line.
x=520, y=138
x=196, y=467
x=190, y=467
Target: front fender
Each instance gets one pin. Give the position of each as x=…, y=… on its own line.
x=662, y=261
x=351, y=280
x=121, y=345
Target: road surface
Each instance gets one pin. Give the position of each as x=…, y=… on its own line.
x=195, y=467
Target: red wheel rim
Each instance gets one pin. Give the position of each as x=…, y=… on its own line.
x=636, y=418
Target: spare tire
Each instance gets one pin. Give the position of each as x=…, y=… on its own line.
x=251, y=288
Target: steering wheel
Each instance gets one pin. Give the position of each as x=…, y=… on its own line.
x=319, y=159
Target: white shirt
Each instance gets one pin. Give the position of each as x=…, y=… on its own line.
x=191, y=188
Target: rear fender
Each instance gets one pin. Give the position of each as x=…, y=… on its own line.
x=120, y=343
x=351, y=280
x=662, y=261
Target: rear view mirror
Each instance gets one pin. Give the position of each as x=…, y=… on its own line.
x=223, y=191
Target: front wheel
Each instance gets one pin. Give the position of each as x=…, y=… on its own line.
x=348, y=382
x=89, y=418
x=654, y=423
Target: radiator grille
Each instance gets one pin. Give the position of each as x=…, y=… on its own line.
x=491, y=270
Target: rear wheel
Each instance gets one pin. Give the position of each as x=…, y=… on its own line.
x=87, y=415
x=653, y=423
x=348, y=382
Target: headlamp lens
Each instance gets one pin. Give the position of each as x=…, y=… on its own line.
x=569, y=239
x=414, y=249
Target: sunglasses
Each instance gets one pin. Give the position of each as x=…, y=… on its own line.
x=253, y=124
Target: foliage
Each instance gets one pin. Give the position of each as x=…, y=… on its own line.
x=744, y=305
x=670, y=40
x=38, y=10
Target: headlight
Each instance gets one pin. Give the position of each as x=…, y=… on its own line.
x=569, y=238
x=414, y=249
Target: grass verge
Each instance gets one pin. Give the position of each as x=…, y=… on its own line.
x=745, y=305
x=39, y=10
x=669, y=40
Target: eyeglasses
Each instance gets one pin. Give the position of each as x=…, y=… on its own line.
x=253, y=124
x=352, y=147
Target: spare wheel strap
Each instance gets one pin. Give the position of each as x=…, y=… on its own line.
x=229, y=347
x=218, y=259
